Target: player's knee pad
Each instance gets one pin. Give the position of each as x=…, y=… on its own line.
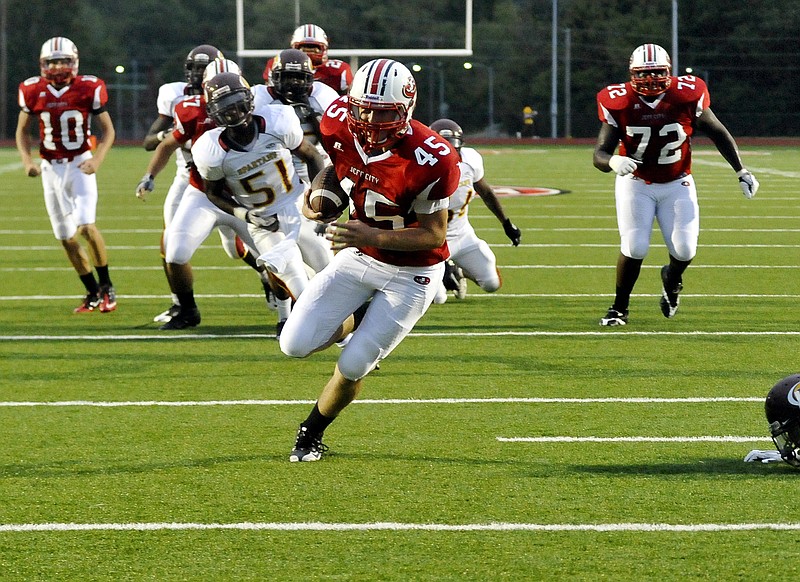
x=491, y=285
x=354, y=364
x=635, y=247
x=684, y=251
x=178, y=252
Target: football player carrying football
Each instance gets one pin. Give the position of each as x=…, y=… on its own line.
x=652, y=118
x=65, y=103
x=399, y=175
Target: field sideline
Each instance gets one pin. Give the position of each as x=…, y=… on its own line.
x=508, y=437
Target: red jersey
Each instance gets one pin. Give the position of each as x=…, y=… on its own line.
x=334, y=73
x=65, y=114
x=422, y=166
x=656, y=133
x=191, y=121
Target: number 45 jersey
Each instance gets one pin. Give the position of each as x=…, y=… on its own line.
x=656, y=132
x=387, y=190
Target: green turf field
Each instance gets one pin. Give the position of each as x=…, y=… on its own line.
x=129, y=453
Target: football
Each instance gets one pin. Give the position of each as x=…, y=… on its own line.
x=327, y=195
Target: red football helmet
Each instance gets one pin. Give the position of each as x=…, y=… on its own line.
x=58, y=60
x=650, y=68
x=381, y=102
x=313, y=41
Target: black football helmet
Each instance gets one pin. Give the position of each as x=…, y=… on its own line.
x=229, y=102
x=292, y=76
x=450, y=131
x=783, y=415
x=196, y=62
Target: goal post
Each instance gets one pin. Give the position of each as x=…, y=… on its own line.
x=243, y=52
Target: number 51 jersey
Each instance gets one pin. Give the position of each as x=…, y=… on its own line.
x=419, y=173
x=657, y=133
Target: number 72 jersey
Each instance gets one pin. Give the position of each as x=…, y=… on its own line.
x=656, y=133
x=387, y=190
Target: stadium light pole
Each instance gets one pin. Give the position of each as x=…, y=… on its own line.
x=675, y=66
x=443, y=107
x=490, y=106
x=554, y=74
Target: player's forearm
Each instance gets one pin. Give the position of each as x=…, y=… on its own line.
x=409, y=239
x=161, y=157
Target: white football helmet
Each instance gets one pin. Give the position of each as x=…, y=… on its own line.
x=58, y=60
x=381, y=103
x=650, y=68
x=313, y=41
x=218, y=66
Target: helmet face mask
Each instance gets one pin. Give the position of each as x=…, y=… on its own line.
x=196, y=62
x=782, y=409
x=58, y=61
x=229, y=102
x=381, y=103
x=313, y=41
x=292, y=76
x=450, y=131
x=650, y=68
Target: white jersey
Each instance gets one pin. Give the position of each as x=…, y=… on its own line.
x=471, y=167
x=168, y=96
x=263, y=175
x=320, y=99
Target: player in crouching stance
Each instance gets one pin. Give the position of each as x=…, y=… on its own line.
x=246, y=166
x=399, y=175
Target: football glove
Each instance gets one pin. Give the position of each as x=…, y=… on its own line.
x=512, y=232
x=763, y=456
x=622, y=165
x=259, y=217
x=748, y=183
x=146, y=184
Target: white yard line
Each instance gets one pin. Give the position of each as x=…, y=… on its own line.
x=181, y=403
x=636, y=439
x=394, y=526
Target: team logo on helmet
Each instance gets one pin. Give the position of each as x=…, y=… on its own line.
x=793, y=396
x=410, y=88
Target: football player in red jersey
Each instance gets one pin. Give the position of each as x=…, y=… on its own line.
x=313, y=41
x=65, y=103
x=652, y=118
x=399, y=175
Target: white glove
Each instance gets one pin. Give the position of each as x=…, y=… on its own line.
x=748, y=183
x=257, y=217
x=622, y=165
x=763, y=456
x=146, y=184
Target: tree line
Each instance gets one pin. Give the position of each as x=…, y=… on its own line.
x=748, y=52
